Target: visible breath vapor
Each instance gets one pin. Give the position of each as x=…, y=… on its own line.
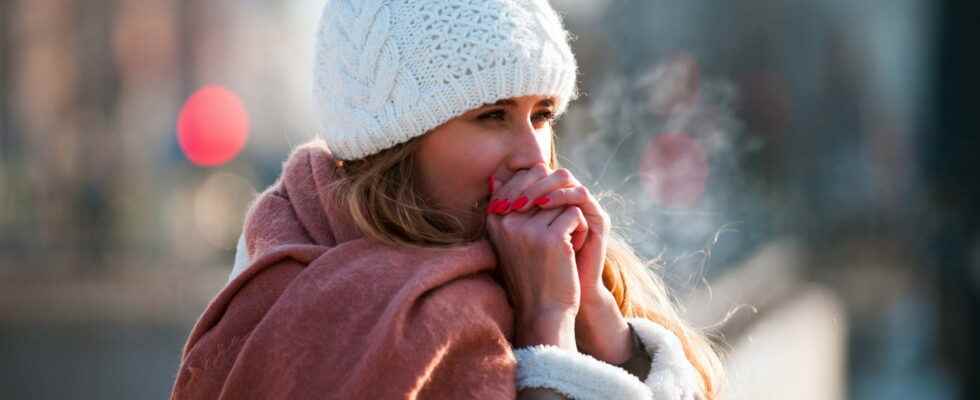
x=662, y=154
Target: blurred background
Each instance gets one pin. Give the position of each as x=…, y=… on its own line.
x=802, y=171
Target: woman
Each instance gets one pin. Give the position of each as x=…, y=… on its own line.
x=430, y=246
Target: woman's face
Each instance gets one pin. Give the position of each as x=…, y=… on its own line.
x=456, y=158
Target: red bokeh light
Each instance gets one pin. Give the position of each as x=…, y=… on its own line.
x=675, y=169
x=212, y=127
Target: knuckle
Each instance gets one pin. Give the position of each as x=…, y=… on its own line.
x=538, y=171
x=563, y=174
x=606, y=222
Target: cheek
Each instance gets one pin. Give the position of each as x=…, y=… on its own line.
x=456, y=174
x=470, y=168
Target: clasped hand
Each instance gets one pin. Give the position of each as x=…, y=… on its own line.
x=550, y=235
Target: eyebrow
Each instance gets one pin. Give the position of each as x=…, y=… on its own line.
x=509, y=102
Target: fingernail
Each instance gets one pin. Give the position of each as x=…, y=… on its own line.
x=520, y=202
x=540, y=201
x=492, y=207
x=503, y=207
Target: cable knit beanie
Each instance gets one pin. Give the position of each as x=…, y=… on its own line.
x=386, y=71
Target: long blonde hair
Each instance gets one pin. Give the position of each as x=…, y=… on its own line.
x=381, y=193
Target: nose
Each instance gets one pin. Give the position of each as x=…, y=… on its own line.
x=528, y=147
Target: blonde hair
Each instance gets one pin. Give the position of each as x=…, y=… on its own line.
x=381, y=193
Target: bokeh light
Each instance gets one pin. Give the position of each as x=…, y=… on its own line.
x=674, y=169
x=212, y=127
x=220, y=203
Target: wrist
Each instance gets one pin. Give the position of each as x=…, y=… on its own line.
x=553, y=327
x=597, y=296
x=602, y=331
x=598, y=310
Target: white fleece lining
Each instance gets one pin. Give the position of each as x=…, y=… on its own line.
x=671, y=375
x=580, y=376
x=576, y=375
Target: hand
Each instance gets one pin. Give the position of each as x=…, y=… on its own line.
x=600, y=327
x=560, y=190
x=537, y=261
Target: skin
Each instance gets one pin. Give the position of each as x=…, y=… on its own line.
x=483, y=162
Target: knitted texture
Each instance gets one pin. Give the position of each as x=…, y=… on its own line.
x=386, y=71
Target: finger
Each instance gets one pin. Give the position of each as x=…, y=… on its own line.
x=560, y=178
x=578, y=196
x=569, y=222
x=544, y=218
x=509, y=194
x=514, y=220
x=581, y=232
x=578, y=240
x=494, y=202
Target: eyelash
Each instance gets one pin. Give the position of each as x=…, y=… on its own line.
x=547, y=115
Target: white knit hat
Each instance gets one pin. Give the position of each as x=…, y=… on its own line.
x=386, y=71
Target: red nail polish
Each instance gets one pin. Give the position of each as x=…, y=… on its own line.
x=503, y=207
x=520, y=202
x=492, y=207
x=540, y=201
x=495, y=207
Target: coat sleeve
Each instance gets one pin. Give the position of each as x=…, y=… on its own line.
x=667, y=376
x=671, y=377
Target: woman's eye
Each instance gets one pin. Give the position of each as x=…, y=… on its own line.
x=545, y=116
x=497, y=115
